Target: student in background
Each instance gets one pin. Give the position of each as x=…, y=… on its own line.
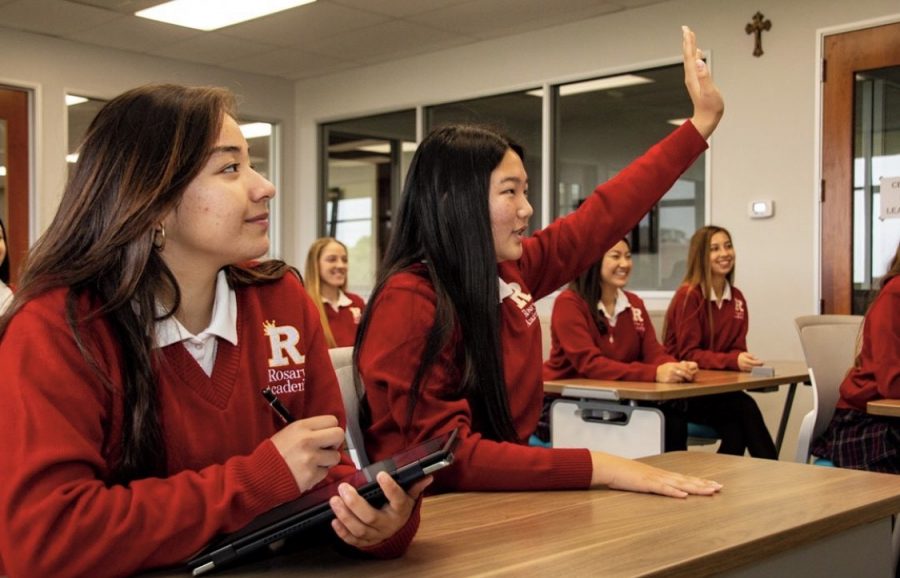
x=451, y=338
x=855, y=439
x=707, y=322
x=601, y=331
x=326, y=282
x=5, y=291
x=133, y=426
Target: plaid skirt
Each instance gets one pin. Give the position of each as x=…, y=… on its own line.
x=857, y=440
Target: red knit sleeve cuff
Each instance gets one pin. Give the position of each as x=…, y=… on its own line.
x=266, y=477
x=572, y=469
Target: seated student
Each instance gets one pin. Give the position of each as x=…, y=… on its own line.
x=133, y=426
x=5, y=291
x=707, y=322
x=451, y=338
x=601, y=331
x=855, y=439
x=326, y=282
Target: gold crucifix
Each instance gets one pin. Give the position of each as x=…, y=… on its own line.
x=757, y=27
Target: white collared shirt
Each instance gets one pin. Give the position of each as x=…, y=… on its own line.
x=5, y=296
x=621, y=305
x=202, y=347
x=726, y=295
x=343, y=301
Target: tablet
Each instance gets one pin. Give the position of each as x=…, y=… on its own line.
x=312, y=509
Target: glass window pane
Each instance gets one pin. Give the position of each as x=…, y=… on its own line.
x=516, y=114
x=365, y=161
x=604, y=124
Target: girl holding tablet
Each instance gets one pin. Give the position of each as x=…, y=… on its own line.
x=451, y=337
x=601, y=331
x=707, y=322
x=135, y=350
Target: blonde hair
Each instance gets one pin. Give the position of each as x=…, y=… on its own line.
x=314, y=282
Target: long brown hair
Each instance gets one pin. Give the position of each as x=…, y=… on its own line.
x=139, y=155
x=699, y=270
x=314, y=282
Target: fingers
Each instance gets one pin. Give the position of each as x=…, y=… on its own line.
x=360, y=524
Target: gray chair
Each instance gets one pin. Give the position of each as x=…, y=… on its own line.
x=342, y=360
x=829, y=346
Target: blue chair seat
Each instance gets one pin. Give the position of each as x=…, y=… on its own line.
x=698, y=430
x=536, y=441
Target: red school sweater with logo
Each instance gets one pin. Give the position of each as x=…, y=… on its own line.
x=60, y=515
x=687, y=328
x=405, y=310
x=629, y=351
x=345, y=321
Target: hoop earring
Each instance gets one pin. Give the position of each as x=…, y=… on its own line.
x=159, y=237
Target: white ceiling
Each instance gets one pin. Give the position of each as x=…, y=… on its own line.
x=320, y=38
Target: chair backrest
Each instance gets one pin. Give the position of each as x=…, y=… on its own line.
x=829, y=346
x=546, y=337
x=658, y=318
x=342, y=360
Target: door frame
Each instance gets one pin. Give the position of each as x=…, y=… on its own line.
x=32, y=92
x=828, y=297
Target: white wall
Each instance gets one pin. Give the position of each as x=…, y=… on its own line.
x=52, y=67
x=765, y=148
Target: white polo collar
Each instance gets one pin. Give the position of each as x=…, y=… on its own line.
x=621, y=305
x=223, y=323
x=726, y=295
x=343, y=301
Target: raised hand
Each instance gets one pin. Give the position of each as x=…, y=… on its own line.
x=708, y=103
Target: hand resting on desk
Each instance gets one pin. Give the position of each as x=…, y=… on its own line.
x=676, y=372
x=623, y=474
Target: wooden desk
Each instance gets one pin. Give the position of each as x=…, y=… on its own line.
x=888, y=407
x=706, y=382
x=771, y=519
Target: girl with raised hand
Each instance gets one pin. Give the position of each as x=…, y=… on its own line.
x=451, y=338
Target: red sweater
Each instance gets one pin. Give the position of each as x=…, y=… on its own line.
x=878, y=373
x=405, y=310
x=629, y=351
x=687, y=328
x=345, y=320
x=60, y=426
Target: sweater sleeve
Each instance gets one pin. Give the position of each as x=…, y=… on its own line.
x=58, y=515
x=687, y=336
x=389, y=358
x=883, y=332
x=577, y=335
x=562, y=251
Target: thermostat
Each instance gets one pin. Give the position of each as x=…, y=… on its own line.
x=761, y=209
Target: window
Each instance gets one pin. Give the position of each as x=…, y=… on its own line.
x=516, y=114
x=604, y=124
x=364, y=164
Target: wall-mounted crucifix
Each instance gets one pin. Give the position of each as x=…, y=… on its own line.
x=757, y=27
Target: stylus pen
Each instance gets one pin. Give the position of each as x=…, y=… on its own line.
x=276, y=404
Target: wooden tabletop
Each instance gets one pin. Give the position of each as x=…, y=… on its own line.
x=888, y=407
x=706, y=382
x=766, y=507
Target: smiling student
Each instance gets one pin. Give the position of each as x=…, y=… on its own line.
x=451, y=337
x=133, y=355
x=326, y=282
x=707, y=322
x=601, y=331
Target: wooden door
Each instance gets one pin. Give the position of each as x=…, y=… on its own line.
x=14, y=157
x=846, y=56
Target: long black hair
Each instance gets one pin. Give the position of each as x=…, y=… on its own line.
x=443, y=223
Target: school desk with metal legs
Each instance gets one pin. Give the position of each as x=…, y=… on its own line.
x=770, y=519
x=590, y=412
